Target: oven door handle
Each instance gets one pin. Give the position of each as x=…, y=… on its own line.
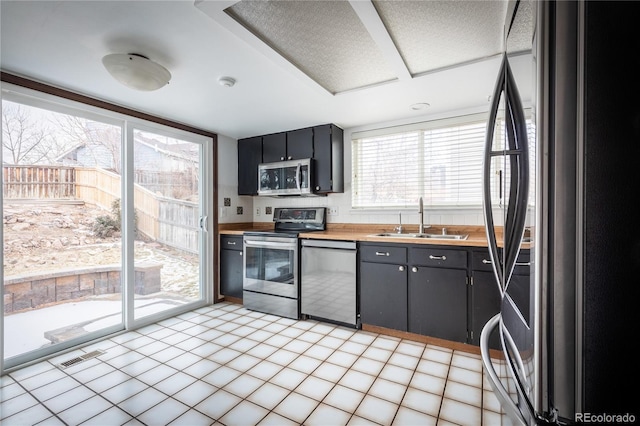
x=253, y=243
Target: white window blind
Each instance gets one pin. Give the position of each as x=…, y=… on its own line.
x=439, y=161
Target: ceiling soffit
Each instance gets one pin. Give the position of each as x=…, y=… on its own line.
x=345, y=45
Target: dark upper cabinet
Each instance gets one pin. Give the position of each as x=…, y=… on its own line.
x=274, y=147
x=249, y=156
x=329, y=158
x=324, y=144
x=291, y=145
x=300, y=144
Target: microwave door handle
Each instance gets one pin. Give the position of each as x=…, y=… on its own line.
x=298, y=177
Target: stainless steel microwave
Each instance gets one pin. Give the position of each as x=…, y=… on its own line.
x=291, y=177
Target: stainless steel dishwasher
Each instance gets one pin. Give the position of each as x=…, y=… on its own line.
x=328, y=281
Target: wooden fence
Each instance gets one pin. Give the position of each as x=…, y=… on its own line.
x=178, y=224
x=38, y=182
x=167, y=220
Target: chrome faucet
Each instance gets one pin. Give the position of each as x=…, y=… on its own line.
x=421, y=213
x=398, y=228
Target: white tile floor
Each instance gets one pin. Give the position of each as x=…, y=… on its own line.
x=227, y=365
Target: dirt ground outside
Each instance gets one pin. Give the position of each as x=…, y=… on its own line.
x=46, y=237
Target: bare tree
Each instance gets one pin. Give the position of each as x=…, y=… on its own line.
x=96, y=137
x=25, y=140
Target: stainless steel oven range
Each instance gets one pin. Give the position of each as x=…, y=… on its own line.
x=271, y=281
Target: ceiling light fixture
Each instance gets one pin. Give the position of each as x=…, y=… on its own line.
x=419, y=106
x=136, y=71
x=226, y=81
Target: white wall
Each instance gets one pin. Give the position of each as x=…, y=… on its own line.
x=228, y=184
x=254, y=207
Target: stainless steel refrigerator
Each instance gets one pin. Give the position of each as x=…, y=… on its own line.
x=560, y=192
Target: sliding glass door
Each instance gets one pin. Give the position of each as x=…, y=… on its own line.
x=104, y=223
x=168, y=225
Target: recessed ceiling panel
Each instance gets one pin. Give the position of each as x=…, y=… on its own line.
x=324, y=39
x=436, y=34
x=521, y=33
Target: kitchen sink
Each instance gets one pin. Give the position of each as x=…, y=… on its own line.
x=444, y=236
x=429, y=236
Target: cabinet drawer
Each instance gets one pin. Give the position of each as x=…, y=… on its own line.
x=434, y=256
x=231, y=242
x=481, y=261
x=383, y=254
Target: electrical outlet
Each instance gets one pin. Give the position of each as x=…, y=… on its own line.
x=257, y=211
x=333, y=211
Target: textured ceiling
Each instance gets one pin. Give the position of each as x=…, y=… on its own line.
x=436, y=34
x=338, y=48
x=521, y=31
x=326, y=40
x=62, y=43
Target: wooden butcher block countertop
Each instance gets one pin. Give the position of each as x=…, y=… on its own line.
x=366, y=232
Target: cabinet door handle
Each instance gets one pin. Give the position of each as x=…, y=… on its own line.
x=400, y=268
x=231, y=243
x=432, y=257
x=289, y=158
x=382, y=253
x=240, y=253
x=281, y=158
x=414, y=269
x=486, y=262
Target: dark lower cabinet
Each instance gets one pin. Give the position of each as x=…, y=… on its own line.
x=383, y=285
x=485, y=293
x=231, y=266
x=437, y=290
x=485, y=303
x=383, y=295
x=438, y=302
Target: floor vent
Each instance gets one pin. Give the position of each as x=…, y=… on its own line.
x=79, y=359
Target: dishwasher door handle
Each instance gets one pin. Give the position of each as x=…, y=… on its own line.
x=344, y=245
